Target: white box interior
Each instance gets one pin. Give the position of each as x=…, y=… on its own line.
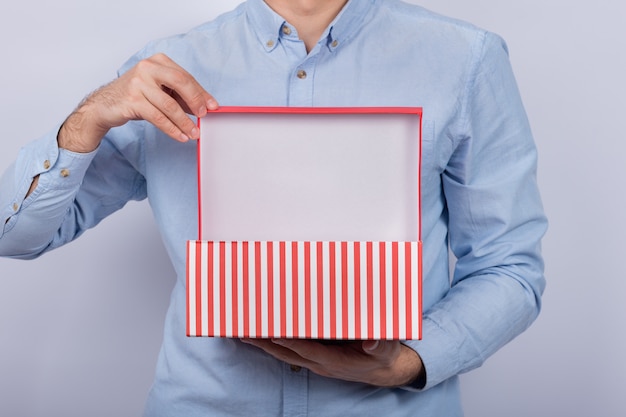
x=311, y=177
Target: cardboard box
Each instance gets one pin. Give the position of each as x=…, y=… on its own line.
x=309, y=224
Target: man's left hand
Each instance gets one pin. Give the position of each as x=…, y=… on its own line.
x=385, y=363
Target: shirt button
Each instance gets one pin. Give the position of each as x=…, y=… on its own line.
x=15, y=206
x=46, y=164
x=270, y=43
x=295, y=368
x=65, y=173
x=286, y=30
x=335, y=43
x=302, y=74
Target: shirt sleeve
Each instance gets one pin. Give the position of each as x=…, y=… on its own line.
x=74, y=192
x=496, y=222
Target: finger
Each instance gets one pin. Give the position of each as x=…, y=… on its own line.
x=343, y=361
x=382, y=350
x=138, y=95
x=179, y=100
x=172, y=92
x=370, y=346
x=307, y=349
x=190, y=94
x=167, y=115
x=280, y=352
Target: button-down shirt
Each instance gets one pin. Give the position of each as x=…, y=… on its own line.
x=479, y=197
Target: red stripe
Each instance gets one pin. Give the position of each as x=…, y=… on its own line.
x=344, y=289
x=235, y=305
x=199, y=180
x=211, y=296
x=370, y=291
x=419, y=284
x=270, y=289
x=188, y=288
x=408, y=290
x=295, y=288
x=246, y=290
x=383, y=291
x=396, y=295
x=419, y=231
x=320, y=291
x=307, y=290
x=222, y=249
x=419, y=183
x=283, y=290
x=198, y=265
x=333, y=291
x=257, y=288
x=357, y=290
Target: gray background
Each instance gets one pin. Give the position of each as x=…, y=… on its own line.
x=80, y=328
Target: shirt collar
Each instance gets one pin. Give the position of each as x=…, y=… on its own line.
x=268, y=25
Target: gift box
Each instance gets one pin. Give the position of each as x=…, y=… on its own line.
x=309, y=224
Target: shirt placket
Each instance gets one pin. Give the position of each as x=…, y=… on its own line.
x=301, y=84
x=301, y=77
x=295, y=391
x=299, y=94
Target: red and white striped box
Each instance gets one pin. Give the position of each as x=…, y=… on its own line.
x=268, y=264
x=313, y=290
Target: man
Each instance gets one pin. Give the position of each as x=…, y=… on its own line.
x=132, y=139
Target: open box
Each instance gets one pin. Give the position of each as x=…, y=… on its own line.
x=309, y=224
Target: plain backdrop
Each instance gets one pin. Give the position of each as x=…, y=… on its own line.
x=81, y=327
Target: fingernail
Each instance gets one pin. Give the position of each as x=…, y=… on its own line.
x=183, y=138
x=202, y=112
x=373, y=346
x=212, y=104
x=195, y=133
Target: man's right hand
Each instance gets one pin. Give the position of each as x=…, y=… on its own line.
x=156, y=90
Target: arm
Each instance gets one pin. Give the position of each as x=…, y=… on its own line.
x=496, y=223
x=44, y=188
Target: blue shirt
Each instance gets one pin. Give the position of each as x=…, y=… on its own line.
x=479, y=197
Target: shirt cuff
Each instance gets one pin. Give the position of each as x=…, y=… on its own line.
x=58, y=169
x=439, y=355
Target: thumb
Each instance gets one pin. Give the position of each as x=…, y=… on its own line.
x=379, y=348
